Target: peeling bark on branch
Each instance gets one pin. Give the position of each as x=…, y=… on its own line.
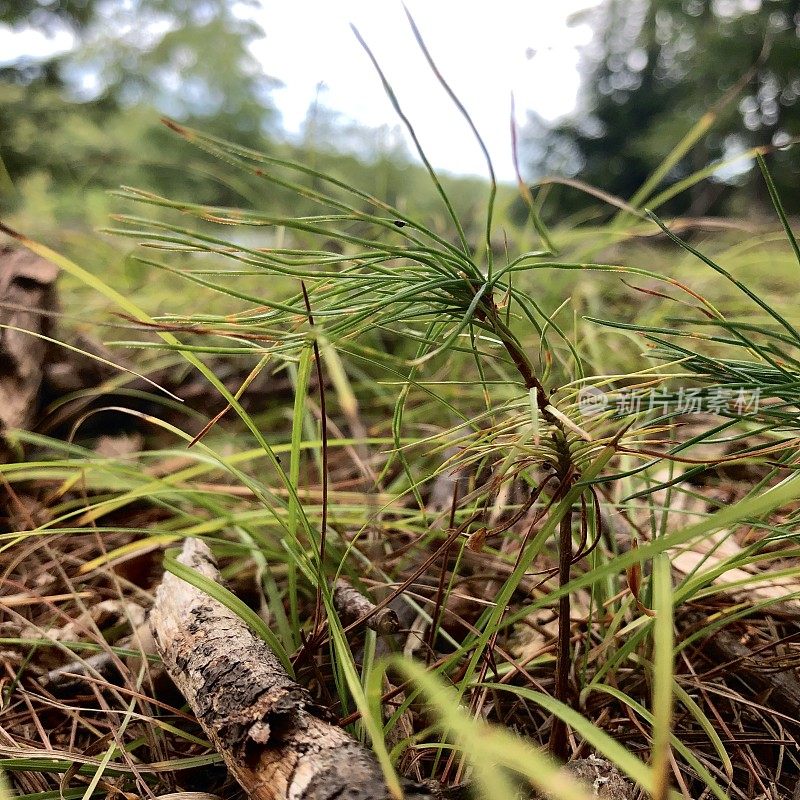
x=274, y=739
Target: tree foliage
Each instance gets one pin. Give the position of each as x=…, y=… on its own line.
x=79, y=124
x=88, y=119
x=656, y=68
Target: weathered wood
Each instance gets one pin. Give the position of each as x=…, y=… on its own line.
x=27, y=295
x=352, y=606
x=275, y=741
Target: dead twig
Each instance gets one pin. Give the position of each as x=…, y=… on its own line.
x=275, y=741
x=352, y=606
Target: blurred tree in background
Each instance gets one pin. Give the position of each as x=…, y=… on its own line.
x=654, y=70
x=79, y=123
x=88, y=118
x=85, y=120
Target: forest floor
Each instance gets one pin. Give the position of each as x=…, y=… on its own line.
x=104, y=475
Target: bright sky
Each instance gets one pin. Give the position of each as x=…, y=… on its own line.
x=486, y=51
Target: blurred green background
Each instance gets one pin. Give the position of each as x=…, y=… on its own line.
x=79, y=122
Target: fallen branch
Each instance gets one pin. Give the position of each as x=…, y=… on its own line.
x=274, y=739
